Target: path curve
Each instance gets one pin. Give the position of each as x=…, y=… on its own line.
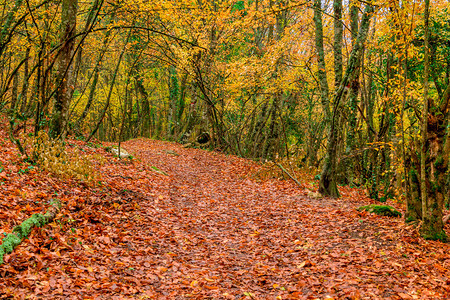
x=207, y=230
x=234, y=237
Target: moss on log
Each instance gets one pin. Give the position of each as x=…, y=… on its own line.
x=12, y=240
x=381, y=210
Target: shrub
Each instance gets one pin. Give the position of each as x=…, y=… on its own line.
x=52, y=156
x=272, y=169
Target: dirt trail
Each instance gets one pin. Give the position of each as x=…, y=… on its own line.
x=238, y=237
x=206, y=230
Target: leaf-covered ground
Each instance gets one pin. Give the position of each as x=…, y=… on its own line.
x=206, y=230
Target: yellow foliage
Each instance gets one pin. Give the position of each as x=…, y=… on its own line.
x=53, y=157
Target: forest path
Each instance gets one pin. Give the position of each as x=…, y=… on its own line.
x=237, y=237
x=207, y=230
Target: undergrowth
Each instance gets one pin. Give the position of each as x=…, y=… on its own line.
x=381, y=210
x=274, y=169
x=52, y=156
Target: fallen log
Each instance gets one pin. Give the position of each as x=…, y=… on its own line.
x=12, y=240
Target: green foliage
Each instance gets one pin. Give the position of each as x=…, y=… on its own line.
x=381, y=210
x=239, y=5
x=385, y=198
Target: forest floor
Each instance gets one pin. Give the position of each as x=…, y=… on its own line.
x=205, y=230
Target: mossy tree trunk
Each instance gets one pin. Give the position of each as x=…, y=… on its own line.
x=321, y=74
x=348, y=164
x=327, y=184
x=436, y=147
x=434, y=152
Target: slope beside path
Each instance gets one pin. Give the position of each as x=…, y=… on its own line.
x=179, y=223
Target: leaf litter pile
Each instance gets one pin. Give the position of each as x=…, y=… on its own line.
x=176, y=223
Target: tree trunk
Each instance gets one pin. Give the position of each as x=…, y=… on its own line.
x=66, y=75
x=322, y=74
x=173, y=87
x=434, y=161
x=435, y=149
x=353, y=95
x=413, y=193
x=337, y=47
x=111, y=88
x=327, y=184
x=24, y=93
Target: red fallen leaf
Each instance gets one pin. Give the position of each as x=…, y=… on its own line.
x=439, y=267
x=200, y=222
x=161, y=269
x=404, y=296
x=210, y=287
x=46, y=287
x=52, y=282
x=133, y=279
x=29, y=208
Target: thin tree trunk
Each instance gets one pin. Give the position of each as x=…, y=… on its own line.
x=96, y=74
x=322, y=74
x=423, y=152
x=111, y=88
x=14, y=91
x=90, y=22
x=327, y=184
x=338, y=38
x=24, y=93
x=4, y=34
x=272, y=136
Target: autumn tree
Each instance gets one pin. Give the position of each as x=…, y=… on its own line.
x=66, y=74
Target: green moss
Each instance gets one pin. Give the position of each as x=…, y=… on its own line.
x=158, y=171
x=24, y=229
x=381, y=210
x=410, y=219
x=12, y=240
x=435, y=236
